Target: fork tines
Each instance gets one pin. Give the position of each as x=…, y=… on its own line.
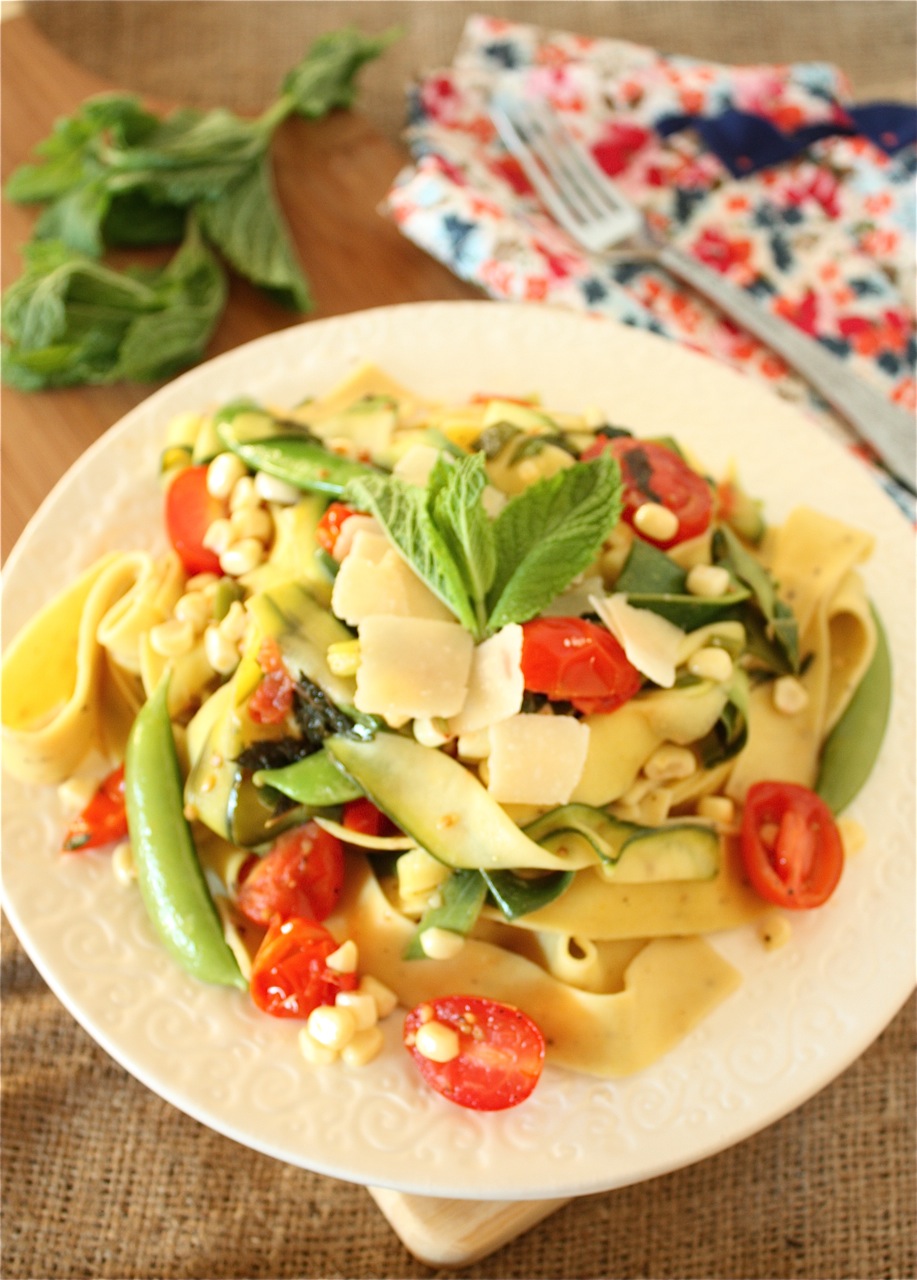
x=570, y=183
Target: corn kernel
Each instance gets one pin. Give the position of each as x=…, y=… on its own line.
x=221, y=653
x=195, y=608
x=344, y=657
x=365, y=1045
x=344, y=960
x=718, y=809
x=711, y=663
x=122, y=863
x=318, y=1054
x=172, y=638
x=331, y=1026
x=234, y=623
x=441, y=944
x=789, y=695
x=244, y=494
x=707, y=580
x=252, y=522
x=436, y=1041
x=361, y=1004
x=419, y=872
x=219, y=536
x=656, y=521
x=670, y=762
x=270, y=489
x=202, y=582
x=241, y=557
x=431, y=731
x=385, y=998
x=224, y=473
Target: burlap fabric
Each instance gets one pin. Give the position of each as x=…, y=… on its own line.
x=103, y=1179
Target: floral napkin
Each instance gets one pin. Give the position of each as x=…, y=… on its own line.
x=769, y=174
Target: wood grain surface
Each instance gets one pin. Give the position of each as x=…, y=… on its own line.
x=330, y=175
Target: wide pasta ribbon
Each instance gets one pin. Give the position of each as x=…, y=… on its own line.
x=53, y=674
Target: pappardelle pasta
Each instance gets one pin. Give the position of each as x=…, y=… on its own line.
x=485, y=710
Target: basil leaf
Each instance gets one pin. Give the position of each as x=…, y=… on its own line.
x=548, y=534
x=517, y=895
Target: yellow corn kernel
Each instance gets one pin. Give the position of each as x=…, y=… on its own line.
x=345, y=959
x=656, y=521
x=385, y=998
x=331, y=1026
x=241, y=557
x=790, y=696
x=219, y=536
x=252, y=522
x=711, y=663
x=365, y=1045
x=224, y=473
x=318, y=1054
x=441, y=944
x=195, y=608
x=270, y=489
x=707, y=580
x=361, y=1004
x=436, y=1041
x=670, y=762
x=718, y=809
x=344, y=657
x=221, y=653
x=244, y=494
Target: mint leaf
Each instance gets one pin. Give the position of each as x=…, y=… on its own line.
x=770, y=623
x=69, y=319
x=548, y=534
x=325, y=78
x=459, y=515
x=403, y=511
x=246, y=225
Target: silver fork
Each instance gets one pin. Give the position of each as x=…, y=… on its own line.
x=588, y=205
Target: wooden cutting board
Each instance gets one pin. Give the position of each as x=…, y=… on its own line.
x=331, y=176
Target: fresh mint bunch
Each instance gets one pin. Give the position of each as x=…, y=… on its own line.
x=115, y=175
x=493, y=572
x=72, y=320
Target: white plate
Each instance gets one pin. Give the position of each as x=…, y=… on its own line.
x=802, y=1014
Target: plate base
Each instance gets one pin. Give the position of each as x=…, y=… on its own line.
x=454, y=1233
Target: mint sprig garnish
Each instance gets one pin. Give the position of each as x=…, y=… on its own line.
x=490, y=573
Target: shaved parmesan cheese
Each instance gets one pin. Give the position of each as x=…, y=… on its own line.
x=349, y=530
x=495, y=687
x=412, y=667
x=415, y=464
x=536, y=759
x=651, y=642
x=375, y=580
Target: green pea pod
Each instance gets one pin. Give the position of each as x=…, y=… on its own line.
x=297, y=459
x=853, y=744
x=316, y=780
x=171, y=881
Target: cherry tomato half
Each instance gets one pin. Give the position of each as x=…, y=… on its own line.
x=328, y=529
x=302, y=874
x=290, y=976
x=104, y=818
x=791, y=847
x=577, y=661
x=272, y=701
x=650, y=472
x=189, y=512
x=501, y=1052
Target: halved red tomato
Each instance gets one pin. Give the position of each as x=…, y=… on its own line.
x=362, y=817
x=290, y=976
x=272, y=701
x=301, y=875
x=501, y=1051
x=104, y=818
x=651, y=472
x=190, y=510
x=791, y=847
x=577, y=661
x=328, y=529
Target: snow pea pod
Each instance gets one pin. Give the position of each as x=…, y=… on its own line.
x=853, y=744
x=171, y=881
x=296, y=458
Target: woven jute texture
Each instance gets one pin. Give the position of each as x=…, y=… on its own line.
x=103, y=1179
x=236, y=51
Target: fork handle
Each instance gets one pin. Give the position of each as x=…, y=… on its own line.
x=890, y=431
